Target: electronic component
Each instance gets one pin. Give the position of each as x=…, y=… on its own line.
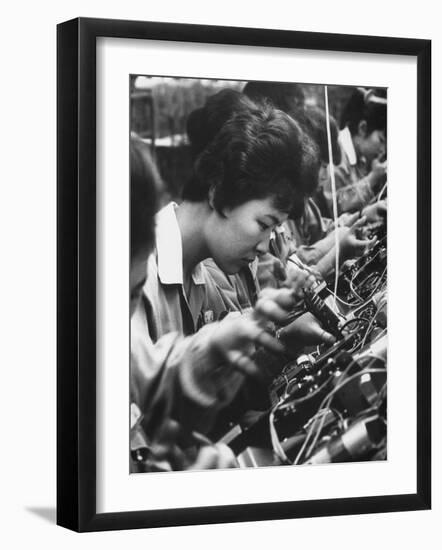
x=360, y=441
x=371, y=230
x=376, y=350
x=361, y=278
x=330, y=403
x=326, y=317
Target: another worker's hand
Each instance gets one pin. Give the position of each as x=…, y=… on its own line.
x=375, y=212
x=217, y=456
x=378, y=174
x=347, y=220
x=184, y=451
x=351, y=246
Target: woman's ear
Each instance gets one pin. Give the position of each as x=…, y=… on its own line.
x=211, y=201
x=211, y=196
x=362, y=129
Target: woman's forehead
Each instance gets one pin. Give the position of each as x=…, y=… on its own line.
x=265, y=207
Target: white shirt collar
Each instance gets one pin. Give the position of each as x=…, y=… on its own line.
x=253, y=266
x=346, y=142
x=169, y=248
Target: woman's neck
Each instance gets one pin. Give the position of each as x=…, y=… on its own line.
x=191, y=217
x=357, y=145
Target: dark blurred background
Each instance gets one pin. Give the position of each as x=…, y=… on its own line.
x=159, y=107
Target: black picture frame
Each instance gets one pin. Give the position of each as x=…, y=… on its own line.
x=76, y=273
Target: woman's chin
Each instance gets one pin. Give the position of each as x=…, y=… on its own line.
x=232, y=268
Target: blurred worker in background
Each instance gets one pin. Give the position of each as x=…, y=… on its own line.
x=363, y=141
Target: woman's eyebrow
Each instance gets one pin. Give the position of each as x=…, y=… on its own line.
x=274, y=219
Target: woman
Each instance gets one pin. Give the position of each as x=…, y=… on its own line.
x=245, y=183
x=307, y=236
x=311, y=234
x=179, y=384
x=362, y=138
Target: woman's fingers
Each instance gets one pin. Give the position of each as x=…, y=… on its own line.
x=165, y=438
x=206, y=459
x=236, y=340
x=347, y=220
x=217, y=456
x=365, y=245
x=226, y=458
x=281, y=296
x=306, y=330
x=279, y=271
x=267, y=341
x=268, y=310
x=273, y=305
x=359, y=223
x=241, y=362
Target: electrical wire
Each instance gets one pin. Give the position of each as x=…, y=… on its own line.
x=346, y=370
x=328, y=399
x=382, y=192
x=333, y=186
x=318, y=420
x=276, y=444
x=365, y=265
x=355, y=320
x=375, y=289
x=303, y=266
x=372, y=320
x=347, y=303
x=354, y=291
x=319, y=414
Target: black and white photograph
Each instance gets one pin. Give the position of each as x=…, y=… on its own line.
x=228, y=323
x=258, y=274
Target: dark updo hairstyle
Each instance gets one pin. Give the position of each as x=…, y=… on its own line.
x=366, y=104
x=314, y=121
x=203, y=124
x=258, y=152
x=286, y=96
x=144, y=182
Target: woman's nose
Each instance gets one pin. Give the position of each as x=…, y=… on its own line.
x=263, y=246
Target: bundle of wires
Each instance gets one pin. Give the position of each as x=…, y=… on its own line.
x=318, y=422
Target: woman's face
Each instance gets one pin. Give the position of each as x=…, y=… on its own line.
x=371, y=145
x=239, y=234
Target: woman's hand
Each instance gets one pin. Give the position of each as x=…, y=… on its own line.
x=271, y=271
x=347, y=220
x=375, y=212
x=350, y=245
x=274, y=305
x=378, y=173
x=173, y=449
x=304, y=331
x=236, y=337
x=299, y=279
x=217, y=456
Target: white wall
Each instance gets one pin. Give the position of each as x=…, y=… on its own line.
x=27, y=218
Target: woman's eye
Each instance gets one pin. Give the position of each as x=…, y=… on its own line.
x=263, y=226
